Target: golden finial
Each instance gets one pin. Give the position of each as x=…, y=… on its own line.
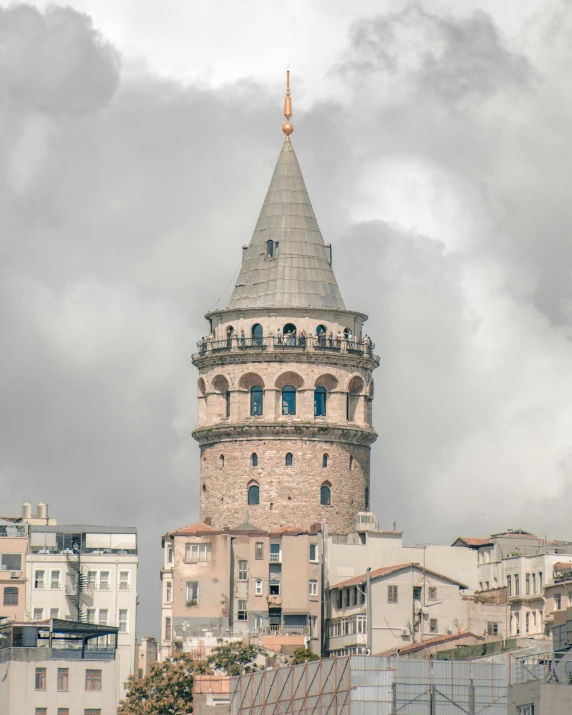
x=287, y=128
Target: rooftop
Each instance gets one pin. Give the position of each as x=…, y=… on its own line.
x=429, y=643
x=387, y=570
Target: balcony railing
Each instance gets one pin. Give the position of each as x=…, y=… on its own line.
x=276, y=558
x=296, y=343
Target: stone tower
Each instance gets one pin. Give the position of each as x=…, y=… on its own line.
x=285, y=385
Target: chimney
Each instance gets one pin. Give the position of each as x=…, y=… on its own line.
x=42, y=511
x=26, y=510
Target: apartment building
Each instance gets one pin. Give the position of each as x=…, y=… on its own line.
x=525, y=565
x=13, y=548
x=241, y=582
x=87, y=574
x=58, y=666
x=396, y=605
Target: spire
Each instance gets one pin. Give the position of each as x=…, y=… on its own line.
x=287, y=128
x=287, y=264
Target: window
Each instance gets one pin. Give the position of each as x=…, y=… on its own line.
x=103, y=617
x=340, y=598
x=55, y=580
x=123, y=581
x=192, y=593
x=242, y=610
x=516, y=585
x=93, y=679
x=492, y=628
x=167, y=629
x=54, y=612
x=243, y=570
x=259, y=550
x=92, y=711
x=432, y=593
x=197, y=552
x=314, y=552
x=289, y=459
x=525, y=709
x=275, y=556
x=509, y=585
x=63, y=679
x=417, y=593
x=257, y=334
x=254, y=460
x=540, y=586
x=270, y=249
x=169, y=553
x=527, y=622
x=41, y=711
x=10, y=596
x=40, y=678
x=351, y=463
x=527, y=584
x=320, y=401
x=38, y=614
x=92, y=579
x=288, y=400
x=312, y=587
x=361, y=624
x=227, y=404
x=259, y=588
x=104, y=580
x=256, y=401
x=63, y=711
x=168, y=591
x=11, y=562
x=39, y=579
x=253, y=495
x=122, y=620
x=325, y=495
x=392, y=594
x=433, y=625
x=325, y=461
x=274, y=586
x=533, y=583
x=91, y=615
x=557, y=601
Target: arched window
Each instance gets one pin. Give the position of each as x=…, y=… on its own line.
x=227, y=398
x=325, y=461
x=347, y=333
x=270, y=249
x=288, y=400
x=321, y=335
x=320, y=401
x=253, y=495
x=254, y=459
x=256, y=400
x=289, y=459
x=257, y=334
x=325, y=494
x=204, y=487
x=289, y=334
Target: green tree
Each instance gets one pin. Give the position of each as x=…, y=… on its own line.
x=166, y=690
x=303, y=655
x=233, y=658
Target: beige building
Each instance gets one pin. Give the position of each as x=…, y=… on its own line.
x=146, y=655
x=58, y=667
x=408, y=603
x=239, y=583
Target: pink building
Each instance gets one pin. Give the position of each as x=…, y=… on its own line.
x=13, y=549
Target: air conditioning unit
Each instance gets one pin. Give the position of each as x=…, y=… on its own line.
x=405, y=631
x=15, y=574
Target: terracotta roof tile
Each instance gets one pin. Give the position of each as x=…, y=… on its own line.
x=473, y=540
x=193, y=530
x=386, y=570
x=412, y=647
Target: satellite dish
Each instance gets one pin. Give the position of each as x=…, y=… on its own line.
x=425, y=611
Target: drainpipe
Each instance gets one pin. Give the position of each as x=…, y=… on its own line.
x=369, y=613
x=324, y=613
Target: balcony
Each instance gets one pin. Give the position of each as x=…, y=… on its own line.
x=276, y=558
x=295, y=344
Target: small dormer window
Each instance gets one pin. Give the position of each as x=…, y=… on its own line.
x=270, y=249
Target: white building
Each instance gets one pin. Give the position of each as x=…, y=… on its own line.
x=88, y=574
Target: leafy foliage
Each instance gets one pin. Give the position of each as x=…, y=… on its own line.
x=234, y=658
x=303, y=655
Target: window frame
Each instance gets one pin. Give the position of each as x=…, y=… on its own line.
x=432, y=593
x=93, y=679
x=253, y=494
x=242, y=612
x=125, y=621
x=63, y=679
x=9, y=593
x=40, y=679
x=433, y=625
x=289, y=405
x=58, y=581
x=325, y=500
x=314, y=559
x=258, y=591
x=256, y=401
x=127, y=582
x=313, y=587
x=168, y=631
x=320, y=401
x=392, y=593
x=289, y=459
x=104, y=622
x=197, y=552
x=242, y=570
x=35, y=611
x=41, y=580
x=259, y=550
x=191, y=586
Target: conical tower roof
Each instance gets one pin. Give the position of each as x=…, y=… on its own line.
x=298, y=274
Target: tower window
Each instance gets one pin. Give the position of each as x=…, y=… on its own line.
x=325, y=494
x=320, y=401
x=254, y=459
x=221, y=461
x=204, y=487
x=325, y=461
x=227, y=398
x=270, y=249
x=256, y=401
x=289, y=334
x=257, y=334
x=288, y=400
x=253, y=494
x=289, y=459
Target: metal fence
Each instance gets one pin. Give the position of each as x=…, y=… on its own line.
x=362, y=685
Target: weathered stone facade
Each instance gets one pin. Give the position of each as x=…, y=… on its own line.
x=285, y=383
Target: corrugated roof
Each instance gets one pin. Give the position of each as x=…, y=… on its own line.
x=386, y=570
x=299, y=275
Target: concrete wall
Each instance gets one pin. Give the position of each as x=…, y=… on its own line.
x=14, y=545
x=547, y=698
x=18, y=695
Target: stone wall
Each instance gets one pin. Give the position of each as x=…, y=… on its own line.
x=289, y=495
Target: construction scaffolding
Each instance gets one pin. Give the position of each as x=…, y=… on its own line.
x=362, y=685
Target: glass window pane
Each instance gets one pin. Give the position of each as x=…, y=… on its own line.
x=320, y=401
x=253, y=494
x=289, y=400
x=325, y=495
x=256, y=401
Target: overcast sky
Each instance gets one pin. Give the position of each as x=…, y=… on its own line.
x=137, y=140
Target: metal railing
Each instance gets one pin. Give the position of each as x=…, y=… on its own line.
x=294, y=342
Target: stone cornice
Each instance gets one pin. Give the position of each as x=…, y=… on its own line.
x=230, y=357
x=244, y=431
